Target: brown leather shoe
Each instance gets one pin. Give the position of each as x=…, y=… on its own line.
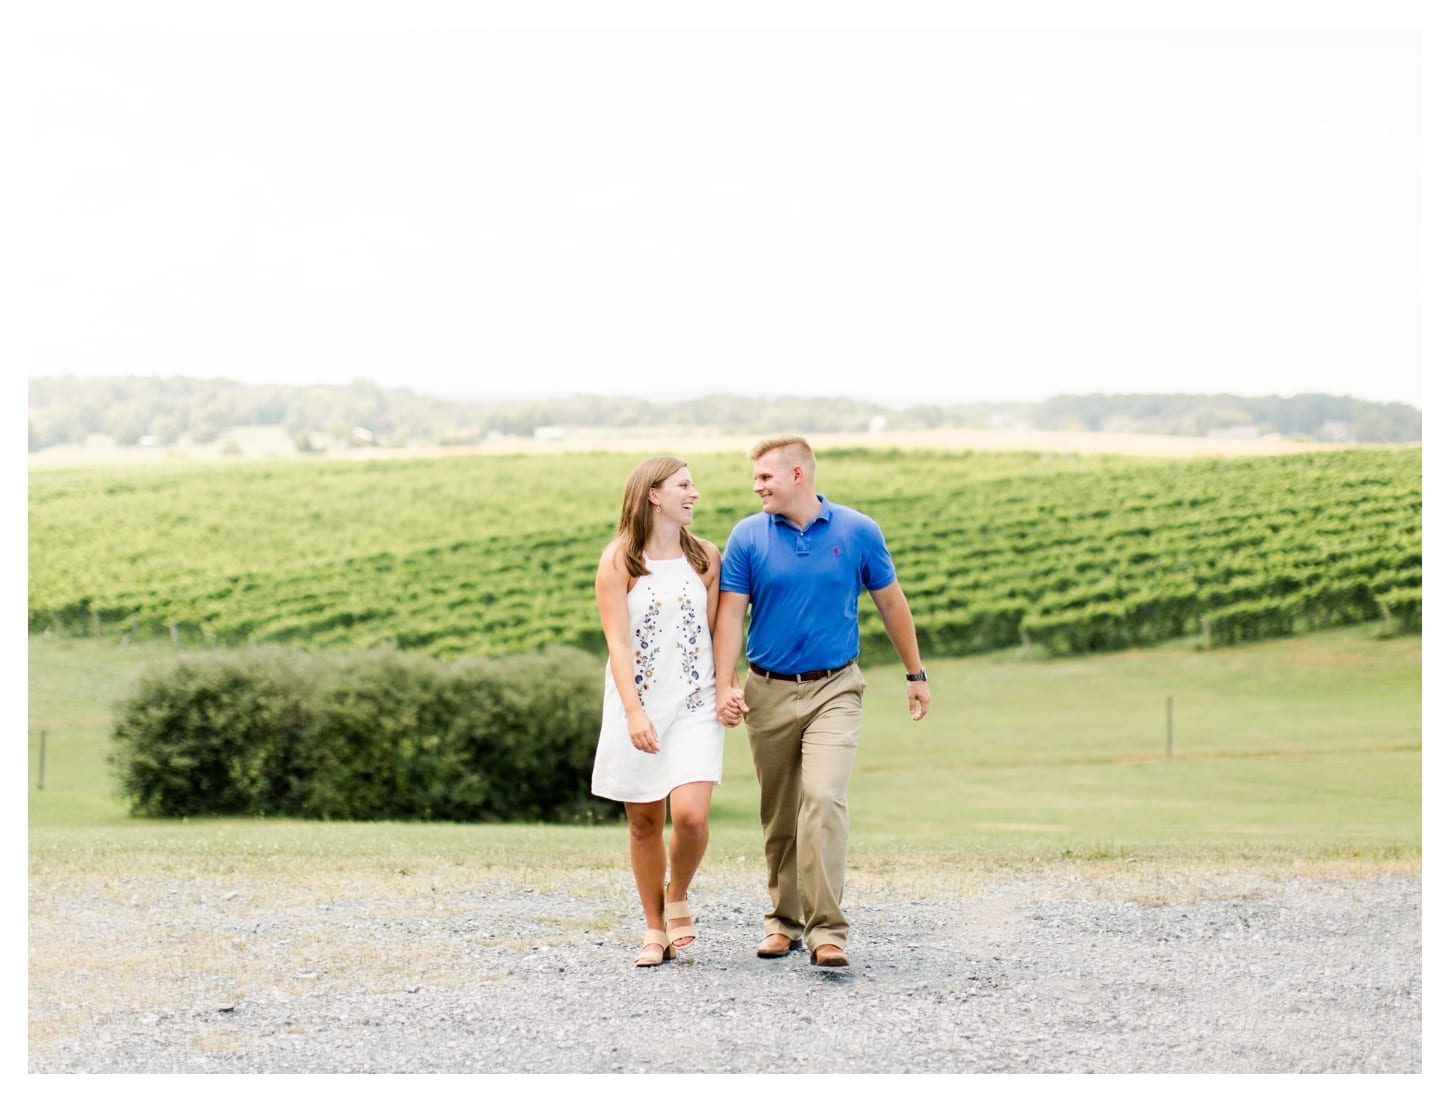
x=829, y=956
x=776, y=945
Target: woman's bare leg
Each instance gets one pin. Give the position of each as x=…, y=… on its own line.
x=690, y=834
x=647, y=858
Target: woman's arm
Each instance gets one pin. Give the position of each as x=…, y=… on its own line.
x=611, y=593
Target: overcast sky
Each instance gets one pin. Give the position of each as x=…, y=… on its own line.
x=941, y=214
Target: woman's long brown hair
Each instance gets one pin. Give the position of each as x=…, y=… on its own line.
x=636, y=518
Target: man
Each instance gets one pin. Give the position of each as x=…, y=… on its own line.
x=799, y=566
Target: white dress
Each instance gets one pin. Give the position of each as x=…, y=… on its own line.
x=674, y=673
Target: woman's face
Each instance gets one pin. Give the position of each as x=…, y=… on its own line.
x=676, y=497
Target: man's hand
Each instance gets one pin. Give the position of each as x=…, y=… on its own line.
x=918, y=699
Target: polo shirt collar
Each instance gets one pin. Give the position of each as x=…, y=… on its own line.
x=823, y=515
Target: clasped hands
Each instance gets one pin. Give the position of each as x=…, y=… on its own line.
x=730, y=706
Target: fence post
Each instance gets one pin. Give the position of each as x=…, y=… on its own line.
x=1170, y=726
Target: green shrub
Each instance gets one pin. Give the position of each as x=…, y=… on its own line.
x=522, y=735
x=374, y=735
x=216, y=734
x=379, y=724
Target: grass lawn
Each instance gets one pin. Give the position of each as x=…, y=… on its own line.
x=1307, y=747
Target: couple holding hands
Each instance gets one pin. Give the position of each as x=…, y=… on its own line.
x=673, y=610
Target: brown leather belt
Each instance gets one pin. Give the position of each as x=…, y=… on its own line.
x=809, y=675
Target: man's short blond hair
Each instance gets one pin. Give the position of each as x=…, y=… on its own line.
x=800, y=451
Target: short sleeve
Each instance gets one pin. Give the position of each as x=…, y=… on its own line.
x=877, y=569
x=735, y=562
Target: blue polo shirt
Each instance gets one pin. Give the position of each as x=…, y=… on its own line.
x=804, y=585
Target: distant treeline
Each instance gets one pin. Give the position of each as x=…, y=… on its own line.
x=163, y=411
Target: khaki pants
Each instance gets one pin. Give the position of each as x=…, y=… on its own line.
x=803, y=738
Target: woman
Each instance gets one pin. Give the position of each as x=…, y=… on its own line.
x=659, y=742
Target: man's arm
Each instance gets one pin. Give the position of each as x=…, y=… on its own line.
x=728, y=634
x=901, y=630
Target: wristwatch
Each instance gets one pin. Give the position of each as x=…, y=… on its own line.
x=919, y=675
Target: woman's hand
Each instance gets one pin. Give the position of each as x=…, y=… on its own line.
x=642, y=732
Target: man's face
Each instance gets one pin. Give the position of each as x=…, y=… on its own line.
x=775, y=482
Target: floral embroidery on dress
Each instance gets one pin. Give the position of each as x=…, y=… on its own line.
x=647, y=650
x=691, y=629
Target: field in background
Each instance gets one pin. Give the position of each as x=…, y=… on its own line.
x=1309, y=746
x=496, y=554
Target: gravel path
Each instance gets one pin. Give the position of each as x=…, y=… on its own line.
x=1306, y=977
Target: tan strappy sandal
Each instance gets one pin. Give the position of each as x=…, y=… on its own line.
x=657, y=950
x=680, y=933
